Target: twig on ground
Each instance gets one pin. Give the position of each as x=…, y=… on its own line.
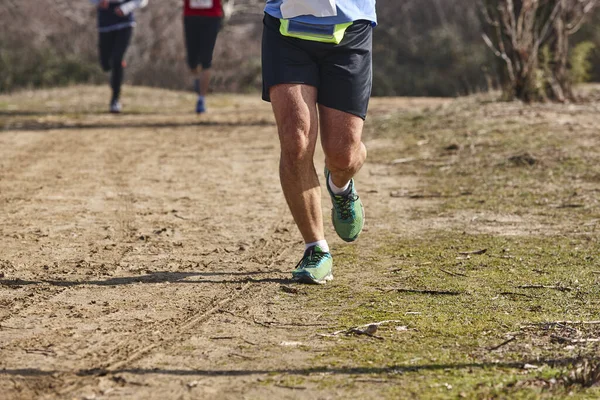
x=367, y=329
x=474, y=252
x=562, y=339
x=567, y=327
x=40, y=351
x=517, y=294
x=290, y=289
x=242, y=356
x=571, y=205
x=511, y=339
x=290, y=387
x=275, y=324
x=426, y=291
x=555, y=287
x=261, y=323
x=416, y=195
x=371, y=380
x=452, y=273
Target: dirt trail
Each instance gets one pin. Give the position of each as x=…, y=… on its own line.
x=142, y=256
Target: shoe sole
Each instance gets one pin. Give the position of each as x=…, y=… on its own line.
x=347, y=240
x=310, y=280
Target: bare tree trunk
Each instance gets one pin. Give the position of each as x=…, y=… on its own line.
x=523, y=33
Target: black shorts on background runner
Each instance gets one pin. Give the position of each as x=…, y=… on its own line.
x=200, y=38
x=342, y=73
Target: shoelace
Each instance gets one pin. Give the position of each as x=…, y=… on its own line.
x=345, y=204
x=312, y=259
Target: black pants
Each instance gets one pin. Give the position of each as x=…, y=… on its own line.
x=112, y=46
x=200, y=38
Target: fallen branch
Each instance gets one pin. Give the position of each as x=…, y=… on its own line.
x=242, y=356
x=567, y=323
x=282, y=325
x=511, y=339
x=475, y=252
x=416, y=195
x=562, y=339
x=555, y=287
x=290, y=387
x=571, y=205
x=517, y=294
x=371, y=380
x=452, y=273
x=289, y=289
x=367, y=329
x=427, y=291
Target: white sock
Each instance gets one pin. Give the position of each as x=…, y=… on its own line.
x=321, y=243
x=338, y=190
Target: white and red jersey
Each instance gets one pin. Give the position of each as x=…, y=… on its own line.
x=204, y=8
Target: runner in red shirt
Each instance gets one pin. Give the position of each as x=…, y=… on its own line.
x=202, y=22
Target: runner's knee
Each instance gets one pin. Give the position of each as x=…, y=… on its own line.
x=295, y=144
x=344, y=156
x=340, y=160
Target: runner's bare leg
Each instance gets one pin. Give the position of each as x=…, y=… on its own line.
x=345, y=153
x=295, y=110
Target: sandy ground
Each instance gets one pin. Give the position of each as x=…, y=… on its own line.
x=142, y=256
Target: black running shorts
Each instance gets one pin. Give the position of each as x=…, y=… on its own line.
x=342, y=73
x=200, y=38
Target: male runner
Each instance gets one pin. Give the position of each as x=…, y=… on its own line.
x=202, y=22
x=317, y=72
x=115, y=25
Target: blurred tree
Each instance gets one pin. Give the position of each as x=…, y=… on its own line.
x=421, y=47
x=430, y=48
x=531, y=37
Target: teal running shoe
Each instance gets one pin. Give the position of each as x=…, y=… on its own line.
x=315, y=267
x=347, y=214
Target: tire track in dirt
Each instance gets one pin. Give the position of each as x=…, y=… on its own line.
x=182, y=330
x=59, y=356
x=20, y=163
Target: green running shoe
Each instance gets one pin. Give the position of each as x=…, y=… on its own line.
x=347, y=214
x=315, y=267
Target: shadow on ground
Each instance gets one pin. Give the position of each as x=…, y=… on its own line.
x=391, y=370
x=156, y=277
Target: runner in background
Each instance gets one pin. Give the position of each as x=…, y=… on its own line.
x=202, y=22
x=115, y=25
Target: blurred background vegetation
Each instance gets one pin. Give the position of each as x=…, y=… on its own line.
x=422, y=47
